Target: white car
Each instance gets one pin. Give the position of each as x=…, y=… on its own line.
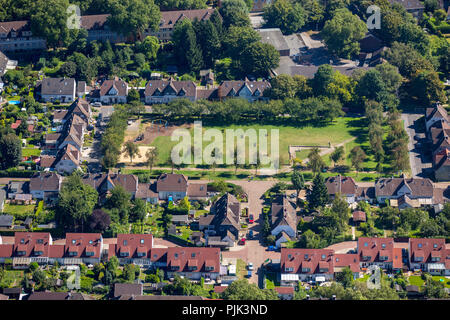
x=250, y=266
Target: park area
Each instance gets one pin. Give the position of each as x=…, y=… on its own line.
x=340, y=131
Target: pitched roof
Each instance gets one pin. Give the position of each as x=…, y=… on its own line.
x=82, y=243
x=58, y=86
x=47, y=161
x=162, y=87
x=201, y=258
x=340, y=184
x=359, y=216
x=346, y=260
x=31, y=242
x=127, y=289
x=370, y=43
x=312, y=259
x=226, y=211
x=373, y=248
x=94, y=22
x=409, y=4
x=235, y=87
x=427, y=248
x=146, y=190
x=6, y=220
x=390, y=186
x=170, y=18
x=172, y=182
x=17, y=26
x=120, y=86
x=397, y=258
x=134, y=244
x=45, y=181
x=98, y=181
x=284, y=213
x=197, y=189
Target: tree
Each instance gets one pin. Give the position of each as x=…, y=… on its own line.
x=133, y=96
x=119, y=201
x=407, y=59
x=297, y=181
x=345, y=277
x=427, y=88
x=357, y=157
x=342, y=33
x=129, y=17
x=149, y=47
x=131, y=149
x=152, y=157
x=319, y=193
x=243, y=290
x=139, y=210
x=99, y=221
x=68, y=69
x=33, y=266
x=112, y=266
x=439, y=15
x=130, y=271
x=315, y=160
x=39, y=277
x=234, y=13
x=259, y=59
x=76, y=202
x=10, y=150
x=284, y=14
x=209, y=41
x=187, y=50
x=49, y=21
x=322, y=78
x=435, y=289
x=237, y=39
x=337, y=155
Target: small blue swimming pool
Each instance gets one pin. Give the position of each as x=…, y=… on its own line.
x=14, y=102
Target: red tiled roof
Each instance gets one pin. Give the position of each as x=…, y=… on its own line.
x=359, y=216
x=220, y=289
x=16, y=124
x=200, y=257
x=397, y=263
x=347, y=260
x=79, y=242
x=427, y=248
x=134, y=243
x=172, y=182
x=374, y=248
x=6, y=250
x=29, y=243
x=314, y=259
x=284, y=290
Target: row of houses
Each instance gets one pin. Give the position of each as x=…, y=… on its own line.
x=67, y=144
x=156, y=91
x=320, y=265
x=399, y=192
x=46, y=186
x=18, y=36
x=437, y=131
x=91, y=248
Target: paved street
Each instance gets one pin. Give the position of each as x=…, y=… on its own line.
x=418, y=166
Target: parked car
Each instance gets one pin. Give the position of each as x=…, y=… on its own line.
x=242, y=241
x=250, y=266
x=96, y=104
x=250, y=234
x=251, y=218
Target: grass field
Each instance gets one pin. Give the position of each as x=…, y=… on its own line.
x=17, y=209
x=340, y=130
x=28, y=152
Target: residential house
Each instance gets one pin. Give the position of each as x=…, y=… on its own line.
x=250, y=90
x=345, y=186
x=206, y=77
x=45, y=186
x=67, y=160
x=172, y=186
x=31, y=247
x=57, y=89
x=285, y=293
x=17, y=36
x=6, y=220
x=105, y=182
x=399, y=189
x=58, y=296
x=163, y=91
x=222, y=227
x=51, y=141
x=132, y=248
x=375, y=251
x=284, y=220
x=435, y=114
x=113, y=91
x=170, y=18
x=306, y=265
x=193, y=263
x=6, y=64
x=344, y=260
x=79, y=248
x=99, y=30
x=415, y=7
x=18, y=187
x=197, y=191
x=147, y=192
x=428, y=255
x=274, y=37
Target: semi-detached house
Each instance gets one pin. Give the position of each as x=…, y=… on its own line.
x=429, y=255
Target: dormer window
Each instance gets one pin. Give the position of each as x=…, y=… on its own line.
x=142, y=241
x=74, y=241
x=290, y=269
x=435, y=245
x=124, y=254
x=289, y=256
x=419, y=245
x=72, y=253
x=22, y=241
x=209, y=268
x=39, y=241
x=21, y=253
x=176, y=255
x=324, y=256
x=141, y=254
x=305, y=270
x=125, y=242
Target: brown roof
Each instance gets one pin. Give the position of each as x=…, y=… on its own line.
x=163, y=87
x=397, y=260
x=346, y=260
x=370, y=43
x=197, y=189
x=232, y=88
x=220, y=289
x=31, y=242
x=57, y=86
x=284, y=213
x=127, y=289
x=59, y=114
x=284, y=290
x=18, y=26
x=359, y=216
x=94, y=22
x=172, y=182
x=340, y=184
x=99, y=181
x=390, y=187
x=226, y=212
x=45, y=181
x=59, y=296
x=207, y=94
x=373, y=248
x=313, y=259
x=6, y=250
x=146, y=190
x=120, y=86
x=170, y=18
x=437, y=111
x=82, y=243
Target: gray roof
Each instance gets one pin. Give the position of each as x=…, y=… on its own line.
x=57, y=86
x=390, y=186
x=6, y=220
x=180, y=218
x=274, y=37
x=284, y=213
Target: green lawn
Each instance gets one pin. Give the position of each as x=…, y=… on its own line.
x=28, y=152
x=11, y=278
x=416, y=281
x=271, y=280
x=18, y=209
x=340, y=130
x=445, y=281
x=241, y=269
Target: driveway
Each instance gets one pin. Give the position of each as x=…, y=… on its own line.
x=419, y=168
x=253, y=250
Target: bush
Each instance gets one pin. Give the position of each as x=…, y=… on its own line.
x=33, y=266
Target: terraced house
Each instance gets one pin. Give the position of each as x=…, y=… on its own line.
x=17, y=36
x=376, y=251
x=162, y=91
x=429, y=255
